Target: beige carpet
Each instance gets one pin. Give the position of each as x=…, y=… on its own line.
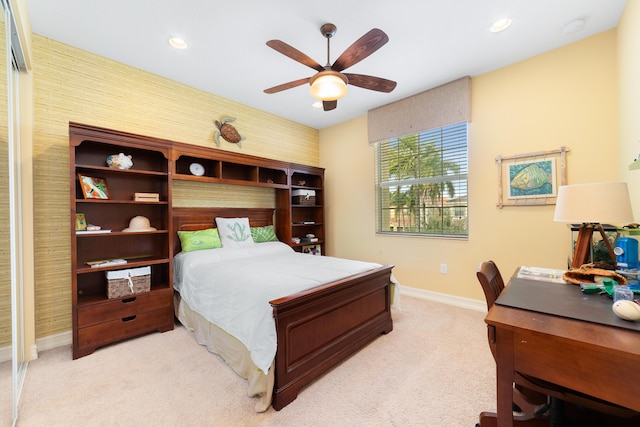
x=434, y=369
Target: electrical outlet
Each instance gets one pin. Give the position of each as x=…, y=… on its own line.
x=443, y=268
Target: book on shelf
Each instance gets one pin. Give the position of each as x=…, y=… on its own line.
x=99, y=231
x=309, y=239
x=106, y=262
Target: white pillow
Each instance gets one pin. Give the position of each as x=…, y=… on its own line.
x=234, y=232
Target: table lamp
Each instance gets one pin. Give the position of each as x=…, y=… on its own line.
x=591, y=205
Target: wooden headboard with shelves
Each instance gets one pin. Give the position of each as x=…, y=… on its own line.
x=192, y=219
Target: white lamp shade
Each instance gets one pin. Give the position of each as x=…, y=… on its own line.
x=328, y=86
x=601, y=202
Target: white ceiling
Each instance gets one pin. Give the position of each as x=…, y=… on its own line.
x=431, y=42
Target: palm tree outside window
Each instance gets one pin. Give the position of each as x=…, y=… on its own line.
x=422, y=183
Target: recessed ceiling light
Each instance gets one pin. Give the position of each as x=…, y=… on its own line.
x=500, y=25
x=178, y=42
x=573, y=26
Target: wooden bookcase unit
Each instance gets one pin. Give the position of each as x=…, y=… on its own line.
x=298, y=220
x=97, y=320
x=292, y=220
x=228, y=168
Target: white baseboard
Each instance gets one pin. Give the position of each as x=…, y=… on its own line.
x=52, y=341
x=46, y=343
x=445, y=298
x=5, y=354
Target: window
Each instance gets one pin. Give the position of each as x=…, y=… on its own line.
x=422, y=183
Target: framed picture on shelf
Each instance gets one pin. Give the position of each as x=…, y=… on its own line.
x=93, y=187
x=312, y=250
x=81, y=222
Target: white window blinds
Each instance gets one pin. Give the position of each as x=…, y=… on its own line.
x=422, y=183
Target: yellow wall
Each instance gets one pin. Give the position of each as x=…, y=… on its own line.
x=564, y=97
x=73, y=85
x=629, y=105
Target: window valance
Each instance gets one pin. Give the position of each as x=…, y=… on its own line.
x=441, y=106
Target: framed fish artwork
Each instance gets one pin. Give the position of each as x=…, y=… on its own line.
x=531, y=179
x=535, y=178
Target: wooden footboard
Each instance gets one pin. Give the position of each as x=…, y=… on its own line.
x=320, y=327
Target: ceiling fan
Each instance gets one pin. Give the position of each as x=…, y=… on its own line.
x=330, y=83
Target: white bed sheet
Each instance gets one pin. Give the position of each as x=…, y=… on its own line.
x=232, y=287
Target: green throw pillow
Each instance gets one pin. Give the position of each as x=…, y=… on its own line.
x=264, y=234
x=201, y=239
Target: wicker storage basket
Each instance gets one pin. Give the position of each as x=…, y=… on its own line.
x=122, y=283
x=303, y=197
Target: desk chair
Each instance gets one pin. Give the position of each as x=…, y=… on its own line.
x=537, y=402
x=528, y=405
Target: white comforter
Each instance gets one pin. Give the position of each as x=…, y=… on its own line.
x=232, y=287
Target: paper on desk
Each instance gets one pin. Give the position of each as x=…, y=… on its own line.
x=541, y=273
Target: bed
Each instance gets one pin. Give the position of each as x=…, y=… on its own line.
x=315, y=328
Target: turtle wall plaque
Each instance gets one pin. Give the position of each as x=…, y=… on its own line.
x=228, y=132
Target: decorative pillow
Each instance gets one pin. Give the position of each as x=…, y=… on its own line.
x=264, y=234
x=201, y=239
x=234, y=232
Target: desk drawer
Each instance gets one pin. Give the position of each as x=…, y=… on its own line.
x=594, y=370
x=126, y=327
x=121, y=308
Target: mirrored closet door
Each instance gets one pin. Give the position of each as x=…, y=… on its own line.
x=6, y=323
x=12, y=357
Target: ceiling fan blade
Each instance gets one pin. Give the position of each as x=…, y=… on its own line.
x=370, y=82
x=294, y=54
x=329, y=105
x=286, y=86
x=360, y=49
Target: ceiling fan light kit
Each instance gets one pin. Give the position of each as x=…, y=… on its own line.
x=330, y=84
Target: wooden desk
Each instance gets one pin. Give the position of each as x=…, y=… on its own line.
x=598, y=360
